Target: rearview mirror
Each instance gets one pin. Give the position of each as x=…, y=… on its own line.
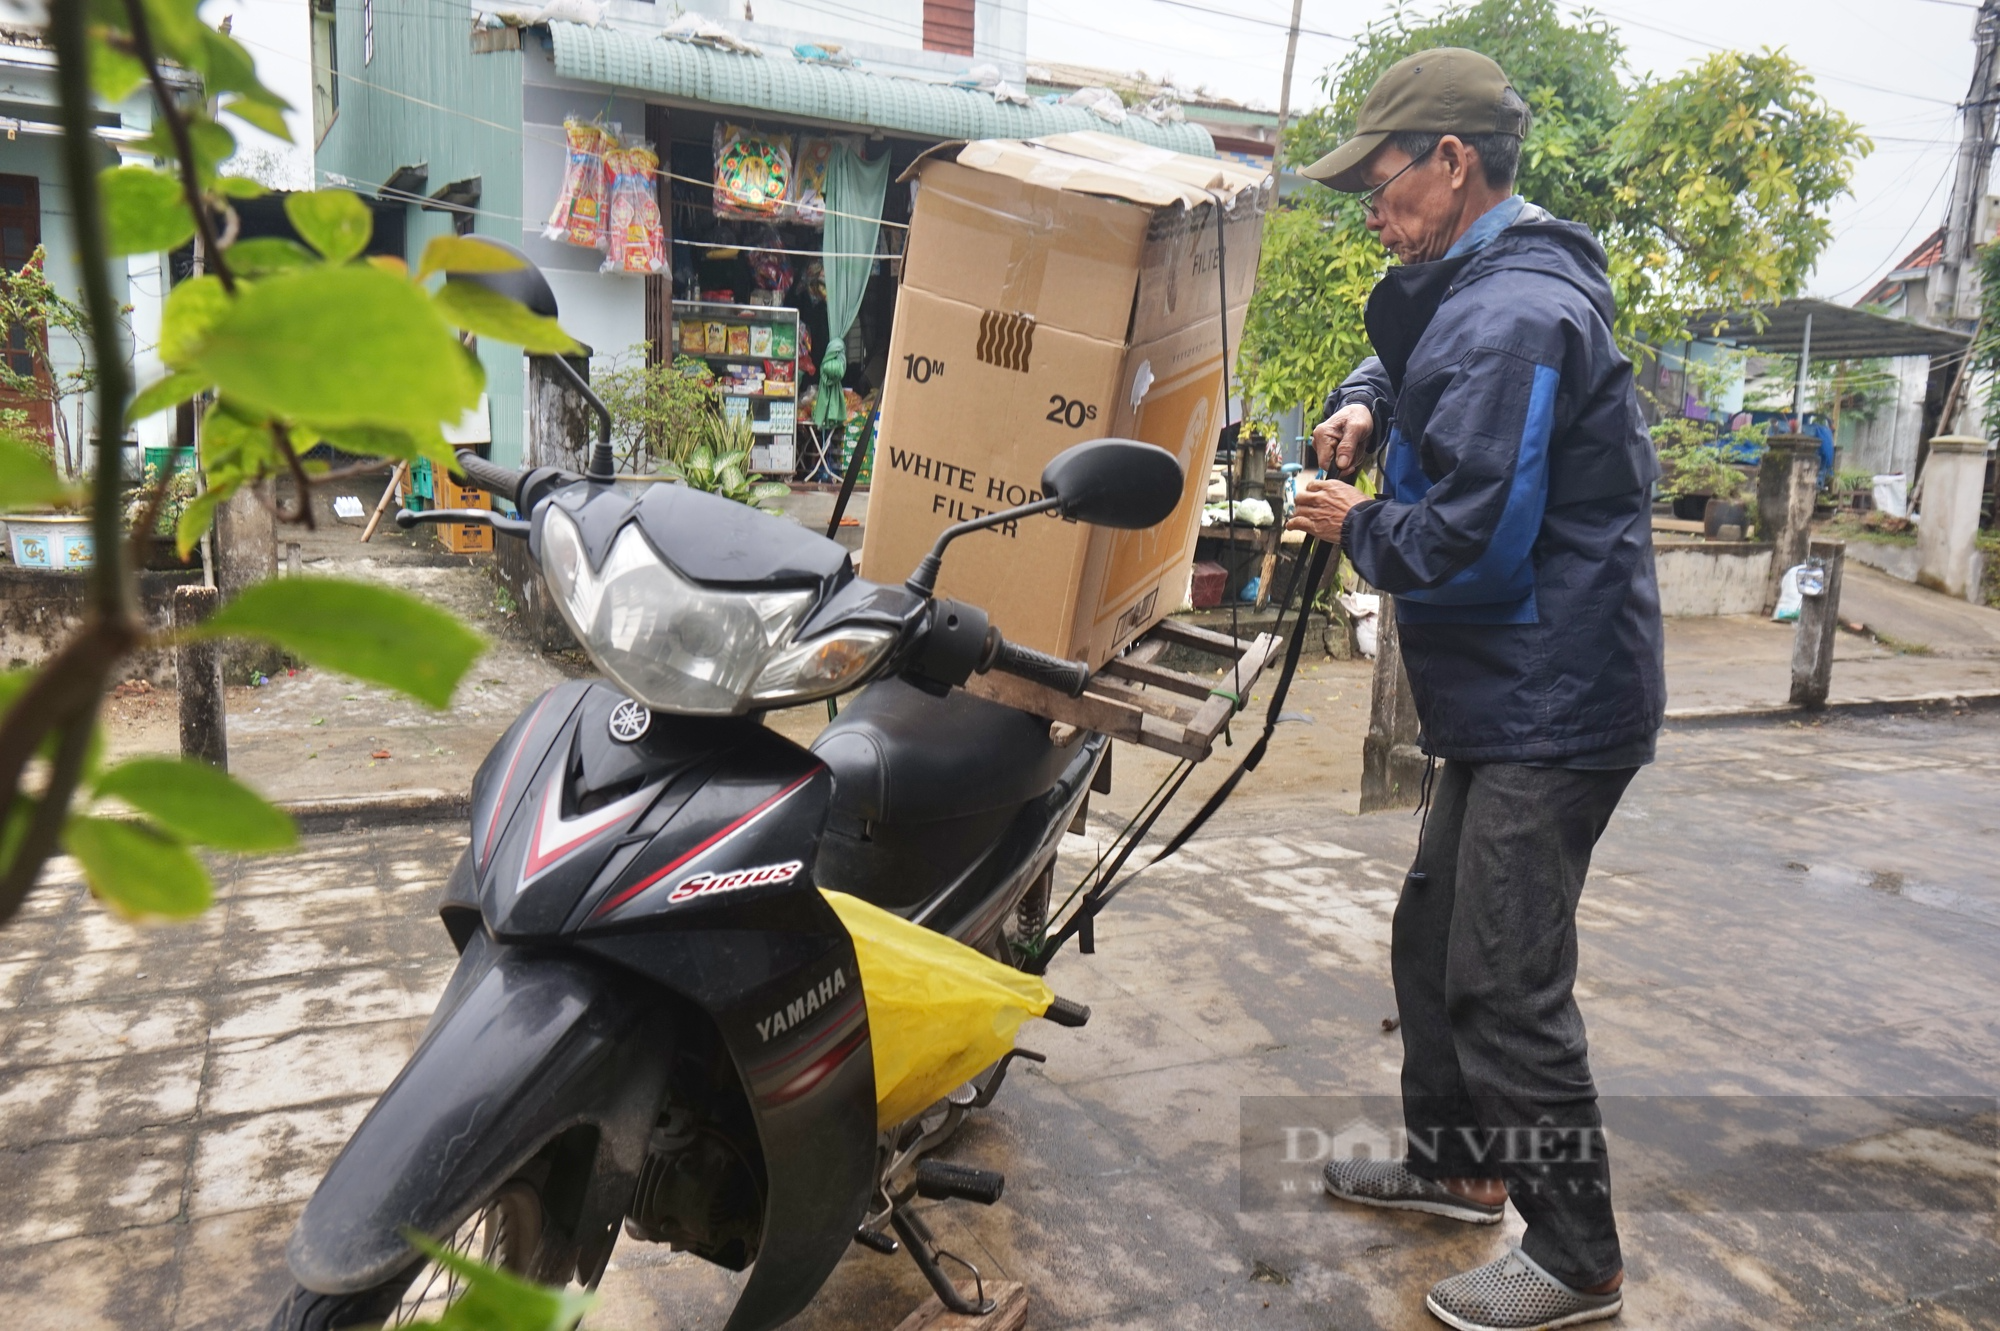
x=1115, y=483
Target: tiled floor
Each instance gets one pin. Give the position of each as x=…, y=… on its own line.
x=1778, y=910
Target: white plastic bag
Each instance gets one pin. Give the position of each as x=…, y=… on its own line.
x=1365, y=609
x=1789, y=598
x=1892, y=495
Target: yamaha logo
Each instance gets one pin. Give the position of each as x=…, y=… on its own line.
x=630, y=721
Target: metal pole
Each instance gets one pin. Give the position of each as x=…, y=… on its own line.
x=1285, y=94
x=1805, y=369
x=1951, y=301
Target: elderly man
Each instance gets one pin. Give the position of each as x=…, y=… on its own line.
x=1514, y=533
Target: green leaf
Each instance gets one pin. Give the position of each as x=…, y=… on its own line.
x=333, y=221
x=340, y=346
x=268, y=118
x=464, y=254
x=495, y=1300
x=373, y=633
x=199, y=803
x=239, y=187
x=195, y=518
x=268, y=254
x=113, y=73
x=161, y=394
x=192, y=309
x=137, y=869
x=144, y=211
x=28, y=478
x=212, y=143
x=486, y=312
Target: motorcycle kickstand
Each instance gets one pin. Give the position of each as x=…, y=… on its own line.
x=985, y=1097
x=924, y=1251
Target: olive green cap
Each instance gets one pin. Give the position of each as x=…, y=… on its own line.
x=1445, y=90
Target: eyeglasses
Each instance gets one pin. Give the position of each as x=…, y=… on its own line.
x=1372, y=198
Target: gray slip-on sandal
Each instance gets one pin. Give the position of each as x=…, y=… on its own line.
x=1515, y=1294
x=1388, y=1184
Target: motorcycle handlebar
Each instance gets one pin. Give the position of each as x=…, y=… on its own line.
x=1065, y=677
x=491, y=477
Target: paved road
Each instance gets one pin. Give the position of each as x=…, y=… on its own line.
x=1779, y=911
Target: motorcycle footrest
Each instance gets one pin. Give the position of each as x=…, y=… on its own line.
x=1064, y=1012
x=939, y=1180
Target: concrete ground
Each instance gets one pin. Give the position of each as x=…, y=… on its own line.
x=1797, y=909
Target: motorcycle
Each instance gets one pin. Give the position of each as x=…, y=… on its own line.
x=656, y=1025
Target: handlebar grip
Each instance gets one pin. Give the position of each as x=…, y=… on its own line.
x=1065, y=677
x=491, y=477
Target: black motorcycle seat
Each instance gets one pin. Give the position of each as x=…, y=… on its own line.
x=900, y=755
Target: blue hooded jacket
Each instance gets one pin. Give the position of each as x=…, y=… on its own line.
x=1516, y=529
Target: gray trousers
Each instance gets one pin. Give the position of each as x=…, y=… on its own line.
x=1496, y=1073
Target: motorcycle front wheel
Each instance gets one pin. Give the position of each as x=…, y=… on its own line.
x=505, y=1232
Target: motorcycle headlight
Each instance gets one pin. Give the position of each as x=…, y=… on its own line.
x=670, y=643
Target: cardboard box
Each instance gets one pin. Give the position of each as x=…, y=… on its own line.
x=465, y=538
x=1054, y=291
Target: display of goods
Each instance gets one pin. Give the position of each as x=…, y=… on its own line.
x=760, y=339
x=784, y=341
x=717, y=337
x=739, y=339
x=636, y=241
x=772, y=271
x=780, y=370
x=694, y=340
x=578, y=217
x=808, y=197
x=753, y=171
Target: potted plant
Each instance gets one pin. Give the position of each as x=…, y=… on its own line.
x=179, y=493
x=1698, y=477
x=720, y=465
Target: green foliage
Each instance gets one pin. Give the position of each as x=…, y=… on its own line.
x=31, y=303
x=332, y=221
x=481, y=310
x=1691, y=463
x=720, y=466
x=142, y=212
x=494, y=1300
x=1985, y=350
x=27, y=480
x=201, y=803
x=1707, y=190
x=176, y=493
x=138, y=869
x=1724, y=175
x=659, y=413
x=1303, y=332
x=370, y=632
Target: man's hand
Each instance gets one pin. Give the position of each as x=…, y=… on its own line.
x=1339, y=439
x=1322, y=508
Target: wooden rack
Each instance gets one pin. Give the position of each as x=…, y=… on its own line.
x=1134, y=699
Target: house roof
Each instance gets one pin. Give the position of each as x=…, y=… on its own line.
x=781, y=86
x=1925, y=256
x=1839, y=332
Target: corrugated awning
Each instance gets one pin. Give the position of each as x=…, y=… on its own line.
x=777, y=85
x=1839, y=332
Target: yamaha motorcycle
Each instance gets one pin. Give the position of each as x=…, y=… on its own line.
x=656, y=1025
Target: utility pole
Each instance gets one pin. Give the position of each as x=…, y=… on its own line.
x=1285, y=91
x=1955, y=288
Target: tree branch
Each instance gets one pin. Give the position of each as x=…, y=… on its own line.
x=303, y=512
x=51, y=812
x=170, y=111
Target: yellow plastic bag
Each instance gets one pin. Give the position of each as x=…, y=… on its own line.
x=938, y=1012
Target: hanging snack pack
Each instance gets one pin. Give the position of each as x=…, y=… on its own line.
x=938, y=1012
x=637, y=242
x=578, y=218
x=753, y=172
x=808, y=197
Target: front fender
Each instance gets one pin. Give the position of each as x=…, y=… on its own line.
x=525, y=1046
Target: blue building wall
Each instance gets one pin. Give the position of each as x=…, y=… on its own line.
x=458, y=112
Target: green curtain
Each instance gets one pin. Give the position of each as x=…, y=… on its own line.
x=854, y=191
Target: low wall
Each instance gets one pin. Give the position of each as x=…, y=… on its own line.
x=1712, y=577
x=39, y=610
x=1901, y=561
